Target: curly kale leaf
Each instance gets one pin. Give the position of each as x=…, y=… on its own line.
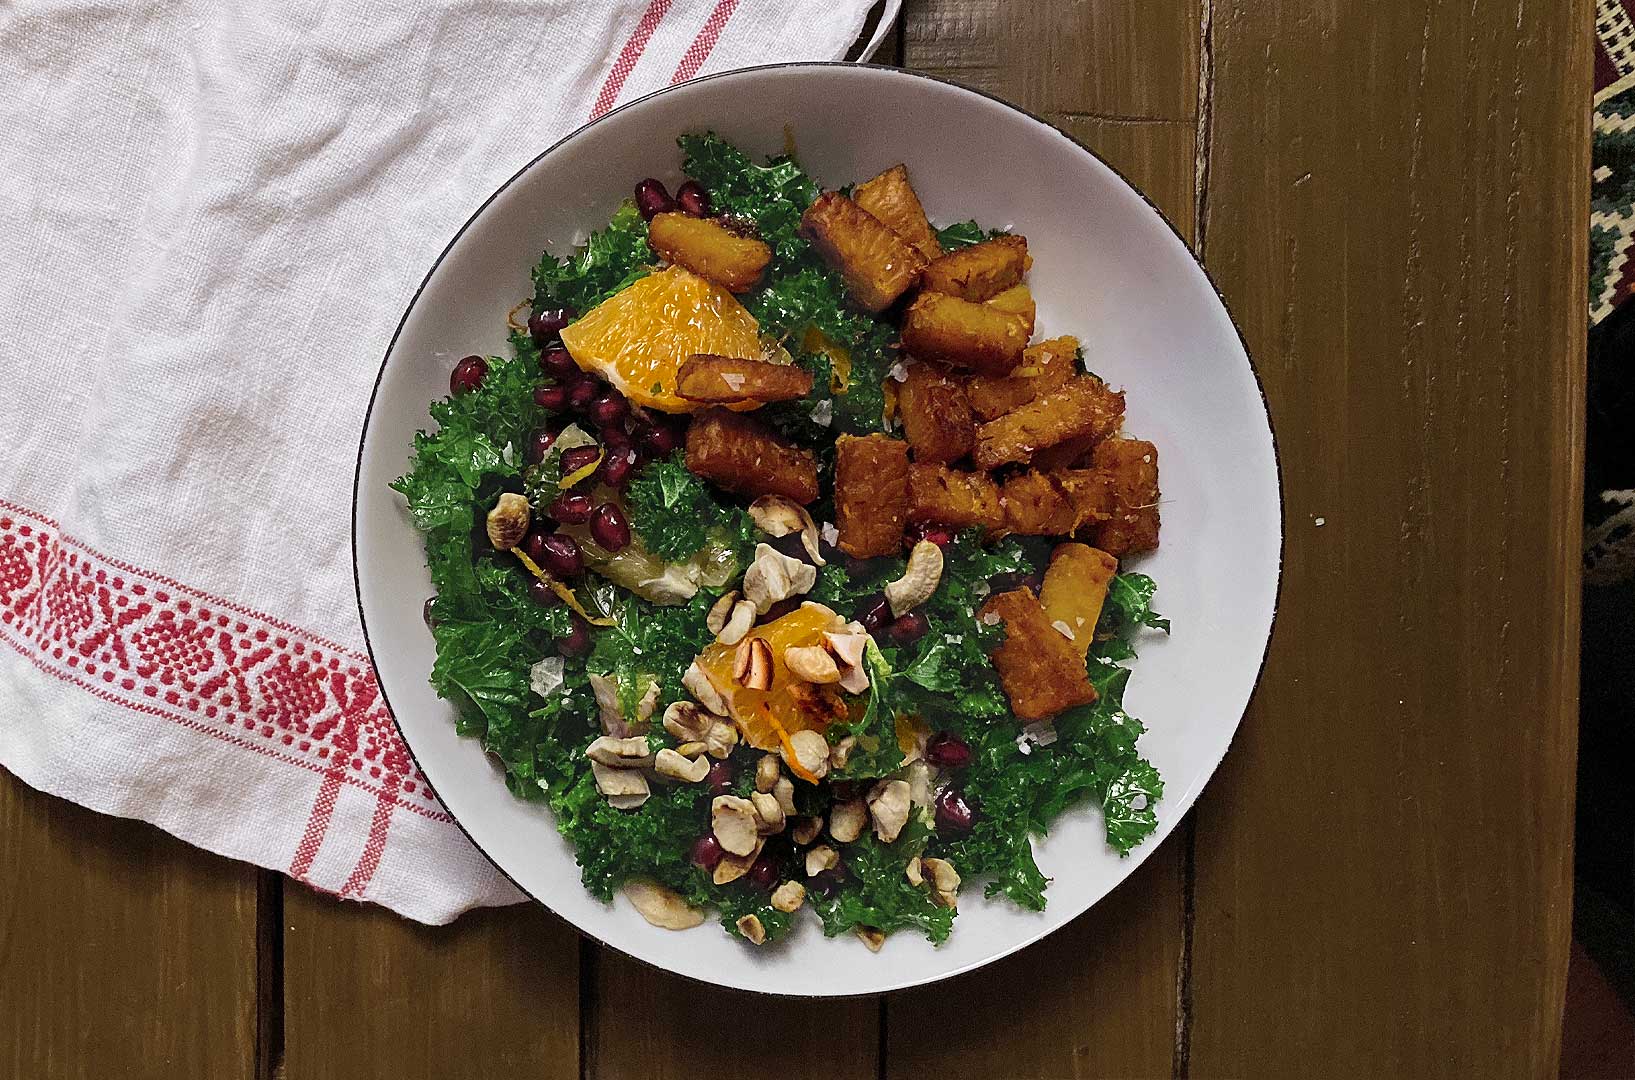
x=773, y=195
x=608, y=261
x=674, y=512
x=877, y=894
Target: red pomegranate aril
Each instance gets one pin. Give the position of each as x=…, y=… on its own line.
x=560, y=556
x=614, y=437
x=426, y=613
x=946, y=750
x=909, y=628
x=661, y=440
x=941, y=535
x=533, y=544
x=539, y=443
x=1016, y=580
x=609, y=528
x=545, y=325
x=577, y=457
x=467, y=375
x=542, y=593
x=581, y=392
x=828, y=881
x=763, y=872
x=553, y=397
x=791, y=545
x=693, y=199
x=557, y=362
x=875, y=614
x=782, y=608
x=652, y=199
x=953, y=811
x=706, y=852
x=609, y=410
x=719, y=778
x=570, y=508
x=616, y=469
x=576, y=642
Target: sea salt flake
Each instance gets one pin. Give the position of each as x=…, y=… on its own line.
x=1063, y=629
x=733, y=379
x=831, y=535
x=990, y=619
x=899, y=372
x=823, y=413
x=546, y=675
x=1320, y=522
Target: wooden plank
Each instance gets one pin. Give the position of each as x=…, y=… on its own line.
x=123, y=952
x=1396, y=207
x=684, y=1030
x=1123, y=79
x=367, y=993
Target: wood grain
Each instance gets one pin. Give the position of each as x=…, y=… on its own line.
x=1123, y=79
x=123, y=952
x=1395, y=210
x=367, y=993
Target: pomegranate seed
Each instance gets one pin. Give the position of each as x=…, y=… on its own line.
x=616, y=469
x=875, y=614
x=693, y=199
x=577, y=457
x=782, y=608
x=467, y=375
x=533, y=545
x=948, y=751
x=763, y=872
x=953, y=811
x=581, y=392
x=538, y=444
x=609, y=528
x=560, y=556
x=570, y=508
x=941, y=535
x=426, y=615
x=652, y=199
x=909, y=629
x=557, y=362
x=790, y=544
x=719, y=778
x=553, y=397
x=575, y=642
x=661, y=440
x=706, y=852
x=544, y=326
x=609, y=410
x=1016, y=580
x=542, y=593
x=615, y=438
x=828, y=881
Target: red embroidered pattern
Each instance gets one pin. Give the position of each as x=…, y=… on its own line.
x=152, y=644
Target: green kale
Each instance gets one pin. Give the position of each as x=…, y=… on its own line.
x=960, y=234
x=877, y=894
x=609, y=260
x=773, y=195
x=1129, y=606
x=876, y=752
x=674, y=512
x=650, y=644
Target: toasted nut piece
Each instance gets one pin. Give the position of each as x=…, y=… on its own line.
x=698, y=684
x=821, y=858
x=871, y=937
x=644, y=708
x=687, y=770
x=944, y=882
x=768, y=813
x=811, y=663
x=888, y=806
x=919, y=581
x=783, y=789
x=752, y=664
x=686, y=721
x=774, y=576
x=846, y=820
x=811, y=752
x=777, y=515
x=630, y=753
x=913, y=871
x=508, y=521
x=789, y=896
x=625, y=789
x=732, y=867
x=917, y=775
x=660, y=906
x=766, y=772
x=841, y=752
x=607, y=704
x=733, y=822
x=720, y=739
x=690, y=749
x=805, y=830
x=720, y=611
x=750, y=926
x=742, y=618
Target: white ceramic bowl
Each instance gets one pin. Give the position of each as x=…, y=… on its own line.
x=1107, y=268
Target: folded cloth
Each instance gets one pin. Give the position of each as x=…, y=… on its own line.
x=212, y=217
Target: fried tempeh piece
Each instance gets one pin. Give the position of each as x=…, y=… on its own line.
x=936, y=414
x=891, y=198
x=1131, y=467
x=878, y=265
x=871, y=494
x=709, y=249
x=980, y=272
x=706, y=377
x=962, y=334
x=1081, y=406
x=740, y=454
x=1016, y=300
x=947, y=496
x=1044, y=367
x=1074, y=589
x=1067, y=454
x=1041, y=671
x=1034, y=505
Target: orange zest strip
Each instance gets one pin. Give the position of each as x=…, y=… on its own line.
x=560, y=590
x=790, y=760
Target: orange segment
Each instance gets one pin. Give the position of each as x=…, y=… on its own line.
x=638, y=338
x=763, y=715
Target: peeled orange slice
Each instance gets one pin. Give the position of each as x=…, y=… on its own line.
x=760, y=713
x=638, y=338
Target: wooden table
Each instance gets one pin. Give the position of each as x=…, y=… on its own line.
x=1393, y=198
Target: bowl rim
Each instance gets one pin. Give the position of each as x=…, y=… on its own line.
x=890, y=71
